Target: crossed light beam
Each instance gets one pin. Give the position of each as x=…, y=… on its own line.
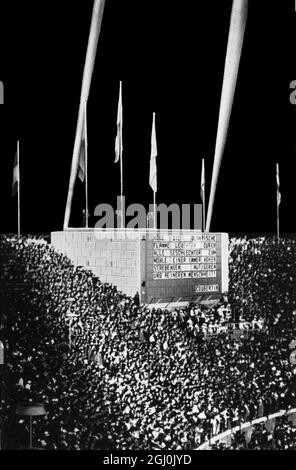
x=233, y=54
x=95, y=28
x=234, y=48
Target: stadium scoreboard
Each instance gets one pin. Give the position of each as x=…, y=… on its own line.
x=186, y=266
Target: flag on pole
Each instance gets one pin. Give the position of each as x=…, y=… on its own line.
x=153, y=169
x=278, y=184
x=83, y=150
x=16, y=175
x=118, y=141
x=202, y=182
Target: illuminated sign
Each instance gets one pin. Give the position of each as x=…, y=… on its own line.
x=177, y=259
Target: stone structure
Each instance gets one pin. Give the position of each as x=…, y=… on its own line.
x=163, y=266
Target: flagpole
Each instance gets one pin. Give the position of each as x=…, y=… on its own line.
x=278, y=222
x=204, y=204
x=86, y=166
x=204, y=215
x=121, y=163
x=154, y=210
x=18, y=192
x=277, y=203
x=153, y=170
x=204, y=197
x=121, y=187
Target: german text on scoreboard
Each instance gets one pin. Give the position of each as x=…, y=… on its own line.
x=178, y=259
x=186, y=265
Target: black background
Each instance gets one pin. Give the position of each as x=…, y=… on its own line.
x=170, y=56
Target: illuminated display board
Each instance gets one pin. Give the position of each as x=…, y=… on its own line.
x=186, y=265
x=185, y=259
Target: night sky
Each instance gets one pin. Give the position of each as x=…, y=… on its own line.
x=170, y=56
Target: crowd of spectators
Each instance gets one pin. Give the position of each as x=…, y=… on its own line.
x=135, y=378
x=262, y=274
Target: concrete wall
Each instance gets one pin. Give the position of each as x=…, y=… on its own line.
x=112, y=260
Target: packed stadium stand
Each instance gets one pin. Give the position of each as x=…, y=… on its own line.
x=125, y=377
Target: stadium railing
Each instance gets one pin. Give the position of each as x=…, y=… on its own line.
x=236, y=330
x=225, y=436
